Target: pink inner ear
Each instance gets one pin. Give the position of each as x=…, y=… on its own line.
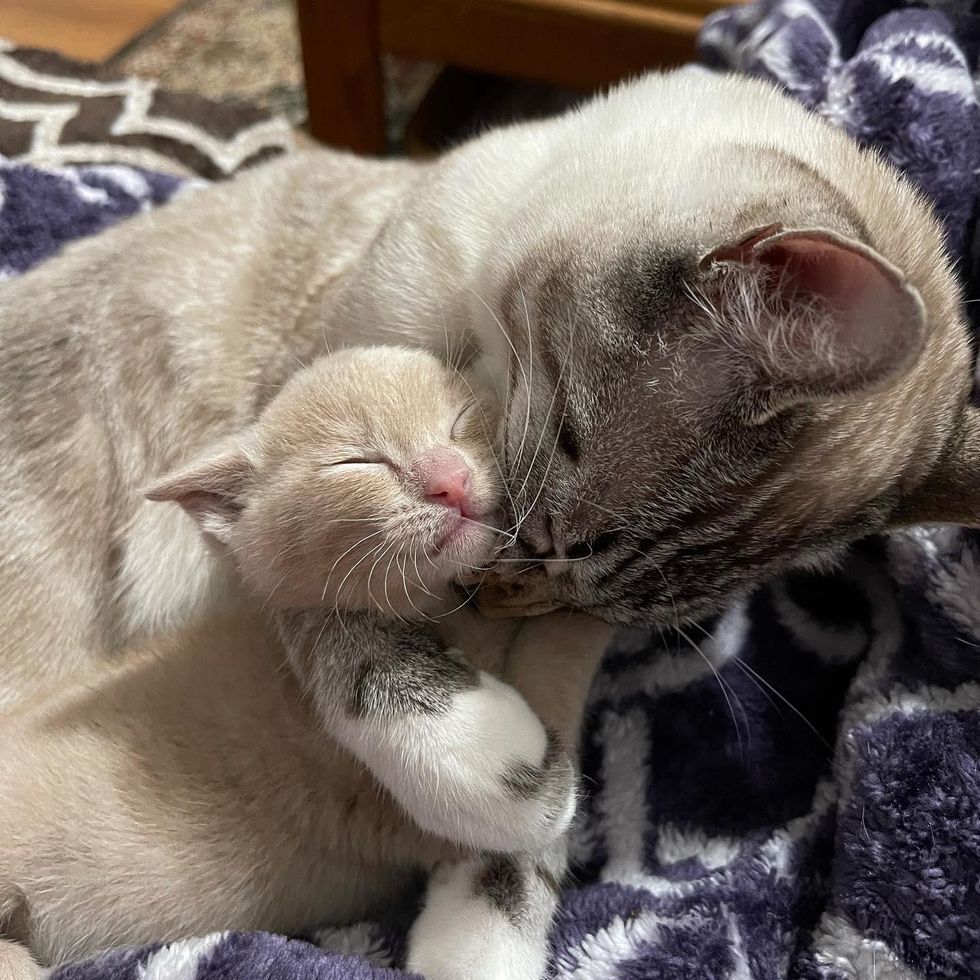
x=869, y=303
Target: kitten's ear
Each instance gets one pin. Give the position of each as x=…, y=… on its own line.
x=819, y=314
x=211, y=490
x=951, y=492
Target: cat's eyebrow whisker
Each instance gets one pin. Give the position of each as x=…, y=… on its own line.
x=490, y=439
x=520, y=363
x=544, y=428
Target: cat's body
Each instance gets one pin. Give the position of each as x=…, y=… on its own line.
x=695, y=397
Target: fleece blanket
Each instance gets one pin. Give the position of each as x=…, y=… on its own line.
x=791, y=789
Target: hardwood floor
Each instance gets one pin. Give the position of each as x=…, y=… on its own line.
x=87, y=29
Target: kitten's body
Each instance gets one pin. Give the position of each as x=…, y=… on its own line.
x=563, y=254
x=191, y=789
x=296, y=762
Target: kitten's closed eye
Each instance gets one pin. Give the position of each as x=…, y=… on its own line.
x=363, y=461
x=464, y=416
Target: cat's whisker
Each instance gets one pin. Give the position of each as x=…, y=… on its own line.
x=457, y=608
x=387, y=596
x=370, y=591
x=530, y=360
x=760, y=680
x=723, y=687
x=360, y=561
x=418, y=575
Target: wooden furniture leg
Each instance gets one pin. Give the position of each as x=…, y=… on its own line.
x=341, y=44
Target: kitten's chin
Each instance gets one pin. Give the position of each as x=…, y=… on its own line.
x=466, y=550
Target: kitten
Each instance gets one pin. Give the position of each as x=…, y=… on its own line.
x=195, y=786
x=729, y=341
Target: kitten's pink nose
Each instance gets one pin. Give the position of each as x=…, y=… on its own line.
x=445, y=478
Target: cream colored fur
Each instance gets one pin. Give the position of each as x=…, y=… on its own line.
x=189, y=789
x=134, y=350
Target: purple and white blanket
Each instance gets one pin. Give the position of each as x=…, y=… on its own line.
x=793, y=789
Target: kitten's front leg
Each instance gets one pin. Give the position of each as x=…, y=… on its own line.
x=489, y=917
x=461, y=750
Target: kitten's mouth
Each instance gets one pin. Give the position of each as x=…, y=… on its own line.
x=463, y=536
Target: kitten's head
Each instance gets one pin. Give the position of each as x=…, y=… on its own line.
x=725, y=358
x=369, y=481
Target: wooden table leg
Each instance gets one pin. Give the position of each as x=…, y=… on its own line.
x=342, y=65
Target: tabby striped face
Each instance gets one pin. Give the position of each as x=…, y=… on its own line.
x=679, y=422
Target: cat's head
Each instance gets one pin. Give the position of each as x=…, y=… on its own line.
x=368, y=482
x=724, y=359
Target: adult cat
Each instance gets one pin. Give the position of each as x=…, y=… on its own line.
x=729, y=340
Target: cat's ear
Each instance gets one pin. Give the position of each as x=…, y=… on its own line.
x=950, y=494
x=212, y=490
x=819, y=315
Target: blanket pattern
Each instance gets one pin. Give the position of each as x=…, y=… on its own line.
x=791, y=789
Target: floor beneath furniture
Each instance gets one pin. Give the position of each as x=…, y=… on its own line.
x=87, y=29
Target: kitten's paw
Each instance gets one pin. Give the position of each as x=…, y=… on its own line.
x=474, y=924
x=498, y=781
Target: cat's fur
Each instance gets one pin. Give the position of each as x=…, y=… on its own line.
x=196, y=786
x=729, y=342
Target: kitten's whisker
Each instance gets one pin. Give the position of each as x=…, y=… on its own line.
x=387, y=597
x=359, y=561
x=418, y=575
x=405, y=588
x=357, y=544
x=465, y=601
x=370, y=591
x=491, y=440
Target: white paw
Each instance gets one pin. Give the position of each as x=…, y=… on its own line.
x=460, y=935
x=484, y=776
x=479, y=773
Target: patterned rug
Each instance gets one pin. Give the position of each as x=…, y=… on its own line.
x=248, y=51
x=55, y=111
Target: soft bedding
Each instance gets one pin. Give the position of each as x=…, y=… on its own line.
x=789, y=790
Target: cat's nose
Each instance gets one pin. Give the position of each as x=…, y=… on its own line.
x=445, y=478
